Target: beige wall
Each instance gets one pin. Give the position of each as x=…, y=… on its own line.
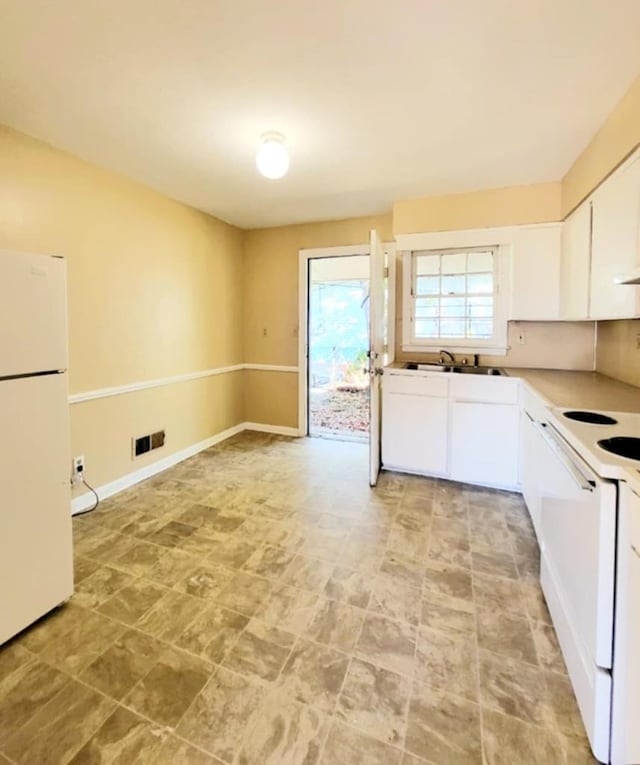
x=618, y=136
x=271, y=307
x=618, y=350
x=155, y=290
x=514, y=205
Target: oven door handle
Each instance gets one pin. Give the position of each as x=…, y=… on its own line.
x=569, y=463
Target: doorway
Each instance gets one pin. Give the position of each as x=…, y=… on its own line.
x=338, y=344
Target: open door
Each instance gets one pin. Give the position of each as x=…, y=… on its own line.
x=376, y=349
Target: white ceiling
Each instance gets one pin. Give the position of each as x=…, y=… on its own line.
x=379, y=99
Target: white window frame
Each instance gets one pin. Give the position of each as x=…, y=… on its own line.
x=495, y=345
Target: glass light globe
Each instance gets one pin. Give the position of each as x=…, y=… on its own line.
x=272, y=159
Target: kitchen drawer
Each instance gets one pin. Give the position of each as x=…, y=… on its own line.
x=499, y=390
x=416, y=385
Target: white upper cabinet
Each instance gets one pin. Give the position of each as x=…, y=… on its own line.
x=535, y=273
x=615, y=242
x=575, y=264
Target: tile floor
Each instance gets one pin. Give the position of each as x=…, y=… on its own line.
x=260, y=605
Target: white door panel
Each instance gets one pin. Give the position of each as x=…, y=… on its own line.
x=376, y=350
x=33, y=318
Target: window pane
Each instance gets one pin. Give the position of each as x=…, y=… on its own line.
x=455, y=263
x=427, y=264
x=479, y=283
x=427, y=328
x=426, y=307
x=480, y=307
x=480, y=328
x=453, y=285
x=480, y=261
x=428, y=285
x=452, y=328
x=452, y=307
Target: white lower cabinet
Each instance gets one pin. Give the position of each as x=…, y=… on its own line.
x=484, y=443
x=414, y=433
x=463, y=427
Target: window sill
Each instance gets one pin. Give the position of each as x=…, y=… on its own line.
x=484, y=350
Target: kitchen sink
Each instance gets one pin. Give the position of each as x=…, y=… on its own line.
x=456, y=369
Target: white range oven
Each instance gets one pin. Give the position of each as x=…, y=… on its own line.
x=589, y=572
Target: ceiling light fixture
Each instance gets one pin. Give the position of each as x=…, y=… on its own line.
x=272, y=158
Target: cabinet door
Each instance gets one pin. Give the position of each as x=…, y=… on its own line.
x=614, y=247
x=535, y=273
x=414, y=433
x=484, y=443
x=575, y=264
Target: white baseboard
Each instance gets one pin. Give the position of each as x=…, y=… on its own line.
x=279, y=430
x=84, y=501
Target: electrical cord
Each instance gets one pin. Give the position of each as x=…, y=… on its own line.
x=95, y=494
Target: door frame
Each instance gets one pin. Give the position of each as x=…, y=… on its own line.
x=304, y=256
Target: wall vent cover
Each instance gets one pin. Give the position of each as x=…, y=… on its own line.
x=147, y=443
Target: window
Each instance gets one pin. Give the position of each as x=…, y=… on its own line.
x=454, y=299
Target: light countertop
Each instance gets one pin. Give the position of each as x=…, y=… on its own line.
x=580, y=390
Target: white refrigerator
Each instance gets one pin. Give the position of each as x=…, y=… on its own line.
x=36, y=557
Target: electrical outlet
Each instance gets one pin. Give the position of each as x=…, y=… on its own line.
x=521, y=337
x=77, y=469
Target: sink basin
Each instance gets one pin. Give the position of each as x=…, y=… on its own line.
x=427, y=366
x=435, y=367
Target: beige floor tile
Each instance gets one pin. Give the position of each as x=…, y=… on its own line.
x=487, y=561
x=348, y=746
x=165, y=693
x=314, y=674
x=269, y=561
x=245, y=593
x=349, y=586
x=259, y=650
x=12, y=657
x=207, y=580
x=336, y=624
x=515, y=688
x=375, y=701
x=448, y=615
x=388, y=643
x=124, y=737
x=443, y=728
x=171, y=615
x=87, y=640
x=94, y=589
x=133, y=601
x=213, y=633
x=174, y=751
x=61, y=728
x=289, y=608
x=396, y=598
x=499, y=594
x=24, y=692
x=447, y=661
x=308, y=573
x=123, y=664
x=547, y=647
x=218, y=719
x=283, y=731
x=507, y=635
x=507, y=740
x=452, y=581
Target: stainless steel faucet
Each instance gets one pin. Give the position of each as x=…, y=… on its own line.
x=450, y=355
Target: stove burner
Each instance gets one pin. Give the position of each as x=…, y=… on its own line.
x=592, y=417
x=623, y=446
